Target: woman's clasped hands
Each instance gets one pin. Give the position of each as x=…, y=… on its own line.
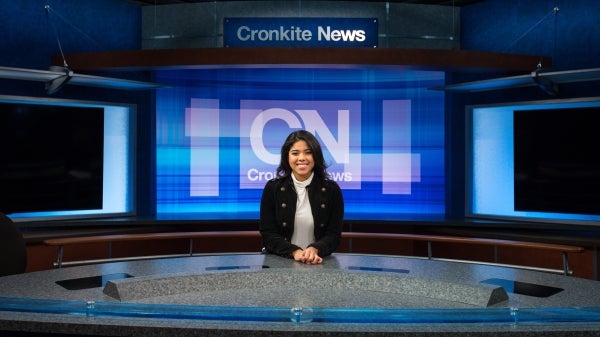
x=309, y=256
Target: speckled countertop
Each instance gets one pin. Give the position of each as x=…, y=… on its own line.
x=366, y=284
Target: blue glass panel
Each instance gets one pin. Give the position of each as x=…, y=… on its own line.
x=298, y=315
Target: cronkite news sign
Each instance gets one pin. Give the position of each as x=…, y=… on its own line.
x=300, y=32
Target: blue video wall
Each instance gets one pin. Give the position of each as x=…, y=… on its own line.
x=220, y=131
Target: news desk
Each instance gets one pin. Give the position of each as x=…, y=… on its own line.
x=267, y=295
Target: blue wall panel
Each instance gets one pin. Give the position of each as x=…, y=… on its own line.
x=29, y=31
x=571, y=36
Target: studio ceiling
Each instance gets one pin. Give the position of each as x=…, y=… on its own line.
x=457, y=3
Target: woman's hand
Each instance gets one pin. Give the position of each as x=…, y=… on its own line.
x=309, y=256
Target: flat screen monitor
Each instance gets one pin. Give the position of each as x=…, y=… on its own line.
x=51, y=157
x=65, y=158
x=535, y=161
x=557, y=160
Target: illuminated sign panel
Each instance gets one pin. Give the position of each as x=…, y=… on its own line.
x=220, y=132
x=301, y=32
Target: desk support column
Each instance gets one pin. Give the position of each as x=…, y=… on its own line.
x=429, y=252
x=566, y=263
x=60, y=256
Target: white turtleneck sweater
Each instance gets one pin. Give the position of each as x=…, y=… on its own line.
x=304, y=224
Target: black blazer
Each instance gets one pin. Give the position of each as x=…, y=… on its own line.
x=278, y=209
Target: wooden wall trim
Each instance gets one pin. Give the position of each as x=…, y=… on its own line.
x=445, y=60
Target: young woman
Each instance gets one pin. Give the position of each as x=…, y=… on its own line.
x=302, y=210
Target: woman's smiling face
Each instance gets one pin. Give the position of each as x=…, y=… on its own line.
x=301, y=160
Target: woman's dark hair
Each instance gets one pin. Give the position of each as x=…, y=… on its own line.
x=320, y=169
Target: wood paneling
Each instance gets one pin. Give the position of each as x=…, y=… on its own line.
x=446, y=60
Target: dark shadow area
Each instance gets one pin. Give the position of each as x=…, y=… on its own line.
x=90, y=282
x=524, y=288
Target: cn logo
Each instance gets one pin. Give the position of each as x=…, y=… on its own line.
x=265, y=124
x=309, y=120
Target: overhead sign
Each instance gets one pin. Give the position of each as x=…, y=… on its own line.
x=300, y=32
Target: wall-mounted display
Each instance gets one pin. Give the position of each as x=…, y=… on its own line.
x=220, y=131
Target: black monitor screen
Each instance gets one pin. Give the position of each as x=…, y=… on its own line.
x=51, y=157
x=557, y=160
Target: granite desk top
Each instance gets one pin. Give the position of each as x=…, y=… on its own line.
x=266, y=295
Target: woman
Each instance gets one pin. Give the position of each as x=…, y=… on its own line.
x=301, y=210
